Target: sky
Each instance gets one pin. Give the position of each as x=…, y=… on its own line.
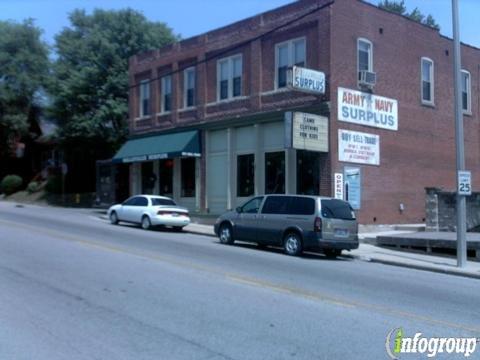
x=193, y=17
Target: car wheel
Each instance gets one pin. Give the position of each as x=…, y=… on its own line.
x=292, y=244
x=113, y=218
x=225, y=234
x=178, y=228
x=146, y=223
x=332, y=253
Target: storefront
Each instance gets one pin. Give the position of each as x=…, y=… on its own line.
x=286, y=155
x=278, y=157
x=166, y=164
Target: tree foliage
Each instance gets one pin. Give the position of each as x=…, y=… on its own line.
x=398, y=6
x=24, y=69
x=90, y=86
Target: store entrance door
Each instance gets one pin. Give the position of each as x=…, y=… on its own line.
x=148, y=178
x=166, y=178
x=308, y=172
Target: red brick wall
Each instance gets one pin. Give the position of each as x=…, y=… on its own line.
x=422, y=152
x=258, y=66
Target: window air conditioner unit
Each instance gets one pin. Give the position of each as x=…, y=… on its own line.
x=367, y=78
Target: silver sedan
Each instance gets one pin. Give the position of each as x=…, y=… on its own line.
x=148, y=211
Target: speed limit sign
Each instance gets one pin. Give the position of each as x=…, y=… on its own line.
x=464, y=183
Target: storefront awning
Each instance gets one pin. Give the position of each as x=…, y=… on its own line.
x=165, y=146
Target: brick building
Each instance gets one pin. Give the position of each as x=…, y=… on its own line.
x=209, y=115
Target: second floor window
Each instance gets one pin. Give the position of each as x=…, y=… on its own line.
x=427, y=81
x=189, y=87
x=229, y=75
x=466, y=97
x=287, y=54
x=166, y=105
x=364, y=56
x=144, y=98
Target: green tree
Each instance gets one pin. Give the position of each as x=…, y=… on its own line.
x=90, y=87
x=24, y=67
x=416, y=15
x=398, y=6
x=430, y=21
x=393, y=6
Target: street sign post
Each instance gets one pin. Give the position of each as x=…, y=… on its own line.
x=459, y=139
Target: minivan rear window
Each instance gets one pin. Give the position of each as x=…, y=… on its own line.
x=337, y=209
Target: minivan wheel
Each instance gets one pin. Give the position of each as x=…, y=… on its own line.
x=225, y=234
x=332, y=253
x=146, y=224
x=292, y=244
x=114, y=218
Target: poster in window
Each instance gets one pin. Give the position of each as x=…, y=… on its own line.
x=353, y=186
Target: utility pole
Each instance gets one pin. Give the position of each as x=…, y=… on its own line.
x=459, y=141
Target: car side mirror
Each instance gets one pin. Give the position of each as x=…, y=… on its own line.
x=239, y=209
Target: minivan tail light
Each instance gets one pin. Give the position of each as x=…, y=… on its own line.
x=317, y=225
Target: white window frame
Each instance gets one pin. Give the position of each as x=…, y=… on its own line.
x=185, y=87
x=229, y=61
x=370, y=55
x=468, y=110
x=432, y=81
x=163, y=92
x=144, y=85
x=291, y=49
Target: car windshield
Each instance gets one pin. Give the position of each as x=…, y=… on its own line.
x=162, y=202
x=337, y=209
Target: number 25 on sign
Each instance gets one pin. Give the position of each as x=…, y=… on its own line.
x=464, y=183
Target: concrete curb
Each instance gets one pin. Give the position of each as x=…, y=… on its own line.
x=196, y=232
x=191, y=231
x=452, y=271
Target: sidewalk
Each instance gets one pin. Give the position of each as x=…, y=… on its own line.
x=439, y=264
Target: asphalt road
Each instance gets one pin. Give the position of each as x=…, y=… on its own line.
x=72, y=286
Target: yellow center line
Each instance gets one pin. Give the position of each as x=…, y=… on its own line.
x=246, y=280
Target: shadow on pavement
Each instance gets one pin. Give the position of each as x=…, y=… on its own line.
x=306, y=255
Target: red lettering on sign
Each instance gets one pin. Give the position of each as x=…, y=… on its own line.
x=383, y=105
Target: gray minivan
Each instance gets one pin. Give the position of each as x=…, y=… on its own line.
x=295, y=222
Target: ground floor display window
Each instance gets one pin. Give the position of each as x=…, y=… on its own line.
x=188, y=177
x=308, y=172
x=275, y=172
x=245, y=175
x=166, y=177
x=149, y=178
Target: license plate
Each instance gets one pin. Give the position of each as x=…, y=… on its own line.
x=341, y=232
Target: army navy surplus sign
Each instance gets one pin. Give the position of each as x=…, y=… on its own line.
x=366, y=109
x=306, y=131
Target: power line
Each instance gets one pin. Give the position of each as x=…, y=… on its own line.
x=237, y=46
